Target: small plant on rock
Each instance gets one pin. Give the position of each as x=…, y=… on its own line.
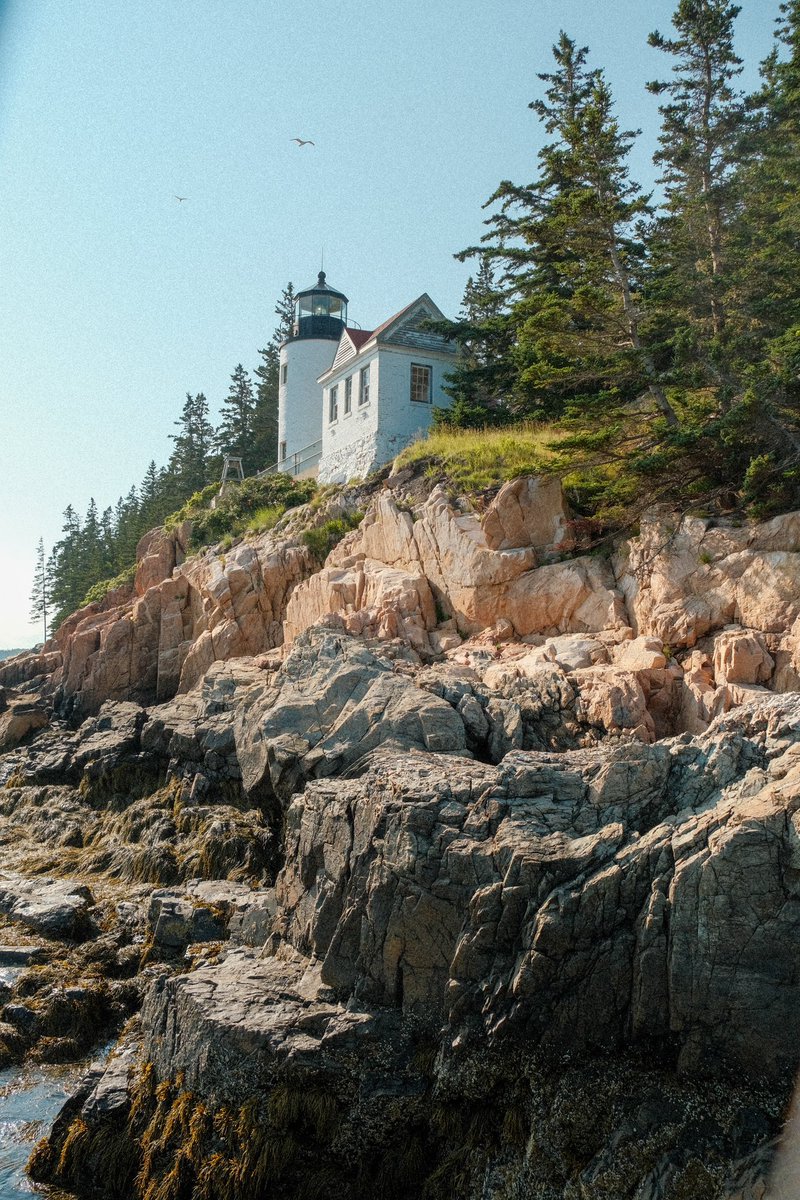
x=321, y=541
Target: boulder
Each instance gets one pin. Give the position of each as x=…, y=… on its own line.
x=478, y=583
x=373, y=600
x=528, y=512
x=331, y=704
x=203, y=911
x=26, y=667
x=54, y=908
x=640, y=654
x=685, y=577
x=614, y=700
x=19, y=720
x=157, y=555
x=209, y=608
x=740, y=656
x=585, y=900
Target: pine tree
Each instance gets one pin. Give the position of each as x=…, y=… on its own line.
x=234, y=434
x=40, y=591
x=701, y=124
x=127, y=529
x=65, y=569
x=265, y=423
x=573, y=259
x=156, y=497
x=482, y=380
x=764, y=426
x=189, y=464
x=95, y=563
x=767, y=229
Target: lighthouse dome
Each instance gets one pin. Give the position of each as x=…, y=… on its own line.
x=320, y=311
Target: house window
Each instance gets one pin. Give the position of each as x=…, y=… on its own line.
x=282, y=452
x=420, y=383
x=284, y=372
x=333, y=404
x=348, y=394
x=363, y=387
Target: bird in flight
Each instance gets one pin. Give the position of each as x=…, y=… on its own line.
x=302, y=142
x=180, y=197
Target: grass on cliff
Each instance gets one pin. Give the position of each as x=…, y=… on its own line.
x=255, y=505
x=321, y=539
x=478, y=459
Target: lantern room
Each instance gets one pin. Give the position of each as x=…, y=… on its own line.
x=320, y=312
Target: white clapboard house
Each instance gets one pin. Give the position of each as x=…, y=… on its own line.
x=350, y=399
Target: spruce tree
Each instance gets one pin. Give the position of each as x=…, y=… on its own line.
x=40, y=591
x=767, y=229
x=482, y=380
x=234, y=434
x=570, y=248
x=94, y=558
x=265, y=423
x=701, y=123
x=127, y=529
x=65, y=569
x=764, y=426
x=189, y=464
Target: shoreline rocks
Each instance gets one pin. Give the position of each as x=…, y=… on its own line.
x=453, y=868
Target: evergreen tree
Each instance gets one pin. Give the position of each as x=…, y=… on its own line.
x=157, y=498
x=127, y=530
x=482, y=380
x=573, y=259
x=235, y=432
x=189, y=464
x=40, y=592
x=767, y=231
x=65, y=570
x=265, y=423
x=764, y=426
x=700, y=138
x=95, y=562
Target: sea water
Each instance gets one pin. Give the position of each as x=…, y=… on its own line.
x=30, y=1098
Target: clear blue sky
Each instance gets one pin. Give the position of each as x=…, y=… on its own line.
x=115, y=299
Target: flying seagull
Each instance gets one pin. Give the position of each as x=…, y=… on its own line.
x=180, y=197
x=302, y=142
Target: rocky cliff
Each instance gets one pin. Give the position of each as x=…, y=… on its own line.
x=462, y=865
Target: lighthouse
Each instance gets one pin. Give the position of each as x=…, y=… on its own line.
x=320, y=315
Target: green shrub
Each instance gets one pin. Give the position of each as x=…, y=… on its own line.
x=258, y=499
x=266, y=518
x=100, y=590
x=322, y=540
x=195, y=504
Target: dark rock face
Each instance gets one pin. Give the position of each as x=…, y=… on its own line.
x=576, y=901
x=565, y=974
x=52, y=909
x=333, y=702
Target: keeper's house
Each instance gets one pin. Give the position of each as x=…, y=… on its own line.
x=351, y=399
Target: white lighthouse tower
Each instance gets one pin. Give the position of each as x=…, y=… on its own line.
x=320, y=315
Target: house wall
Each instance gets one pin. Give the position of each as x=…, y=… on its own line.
x=299, y=399
x=354, y=445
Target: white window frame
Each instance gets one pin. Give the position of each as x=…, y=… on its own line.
x=284, y=373
x=413, y=383
x=363, y=387
x=333, y=404
x=348, y=395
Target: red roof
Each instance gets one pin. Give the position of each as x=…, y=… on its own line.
x=359, y=336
